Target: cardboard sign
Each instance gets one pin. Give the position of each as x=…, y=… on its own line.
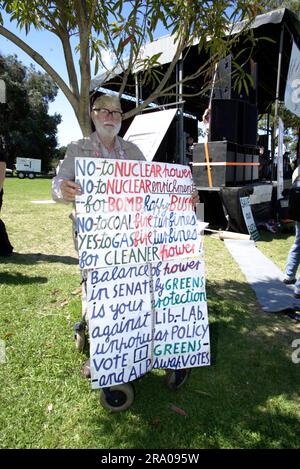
x=133, y=212
x=146, y=316
x=138, y=239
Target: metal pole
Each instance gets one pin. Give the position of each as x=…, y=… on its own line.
x=269, y=149
x=140, y=89
x=268, y=129
x=279, y=72
x=298, y=148
x=181, y=124
x=137, y=100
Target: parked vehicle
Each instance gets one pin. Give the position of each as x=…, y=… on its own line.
x=8, y=172
x=28, y=167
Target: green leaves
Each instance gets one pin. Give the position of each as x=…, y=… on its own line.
x=151, y=75
x=121, y=28
x=26, y=125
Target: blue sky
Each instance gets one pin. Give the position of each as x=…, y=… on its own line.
x=49, y=47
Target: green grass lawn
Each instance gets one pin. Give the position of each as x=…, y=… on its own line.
x=248, y=398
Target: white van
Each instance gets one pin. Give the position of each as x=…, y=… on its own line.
x=28, y=167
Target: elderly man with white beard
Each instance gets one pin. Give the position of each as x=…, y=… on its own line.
x=103, y=143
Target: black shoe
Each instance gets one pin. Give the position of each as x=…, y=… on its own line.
x=289, y=281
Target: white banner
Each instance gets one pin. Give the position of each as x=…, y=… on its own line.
x=280, y=160
x=292, y=90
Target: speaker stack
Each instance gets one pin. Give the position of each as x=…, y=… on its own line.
x=233, y=120
x=232, y=149
x=230, y=164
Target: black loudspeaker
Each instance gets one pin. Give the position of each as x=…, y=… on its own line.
x=233, y=120
x=222, y=157
x=222, y=85
x=226, y=75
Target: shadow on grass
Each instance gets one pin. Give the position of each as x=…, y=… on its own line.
x=267, y=236
x=17, y=278
x=247, y=398
x=36, y=258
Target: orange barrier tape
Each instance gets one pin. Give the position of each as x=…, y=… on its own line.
x=207, y=164
x=224, y=163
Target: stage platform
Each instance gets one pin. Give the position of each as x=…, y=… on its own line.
x=222, y=207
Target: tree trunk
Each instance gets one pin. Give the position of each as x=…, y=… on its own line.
x=84, y=121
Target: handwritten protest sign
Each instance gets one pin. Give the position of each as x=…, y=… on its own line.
x=134, y=212
x=181, y=338
x=138, y=239
x=146, y=316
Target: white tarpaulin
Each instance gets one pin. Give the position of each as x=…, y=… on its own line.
x=280, y=160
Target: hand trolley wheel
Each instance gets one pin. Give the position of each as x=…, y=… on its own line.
x=117, y=398
x=177, y=378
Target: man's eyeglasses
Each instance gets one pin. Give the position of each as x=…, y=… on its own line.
x=102, y=111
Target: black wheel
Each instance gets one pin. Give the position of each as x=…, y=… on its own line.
x=177, y=378
x=21, y=175
x=31, y=175
x=117, y=398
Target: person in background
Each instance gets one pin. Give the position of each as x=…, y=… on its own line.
x=293, y=259
x=6, y=249
x=189, y=149
x=263, y=163
x=206, y=117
